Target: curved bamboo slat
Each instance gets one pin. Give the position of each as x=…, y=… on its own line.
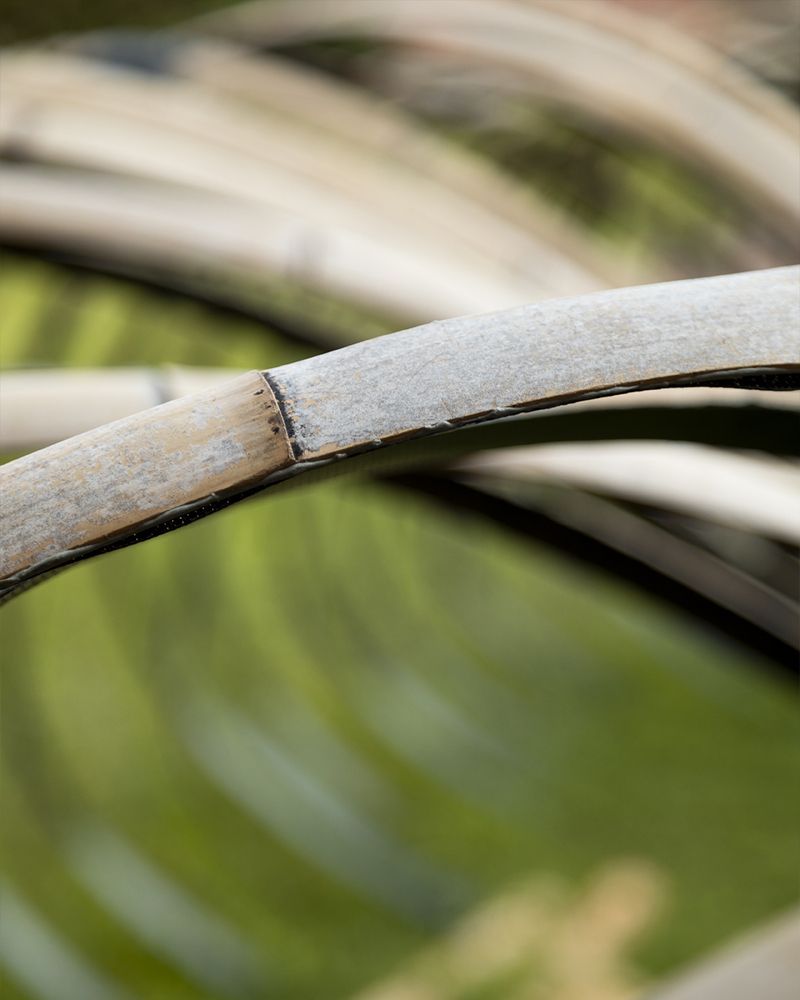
x=458, y=371
x=76, y=112
x=168, y=465
x=581, y=55
x=759, y=494
x=751, y=493
x=343, y=115
x=134, y=220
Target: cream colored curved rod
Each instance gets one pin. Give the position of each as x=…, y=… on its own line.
x=82, y=113
x=171, y=464
x=751, y=493
x=357, y=117
x=760, y=494
x=291, y=93
x=604, y=61
x=135, y=220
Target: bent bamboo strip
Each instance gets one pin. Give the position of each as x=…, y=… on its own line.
x=752, y=493
x=178, y=461
x=133, y=220
x=119, y=476
x=79, y=111
x=609, y=63
x=458, y=371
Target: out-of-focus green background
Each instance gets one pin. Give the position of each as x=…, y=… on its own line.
x=291, y=751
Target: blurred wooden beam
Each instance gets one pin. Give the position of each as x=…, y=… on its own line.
x=750, y=492
x=69, y=111
x=635, y=71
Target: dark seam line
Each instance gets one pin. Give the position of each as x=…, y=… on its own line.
x=288, y=423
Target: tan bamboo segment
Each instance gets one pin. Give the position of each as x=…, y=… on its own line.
x=163, y=465
x=113, y=479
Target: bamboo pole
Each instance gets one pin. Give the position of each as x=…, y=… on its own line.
x=171, y=464
x=753, y=493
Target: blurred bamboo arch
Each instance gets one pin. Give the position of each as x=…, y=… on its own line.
x=129, y=220
x=386, y=138
x=82, y=114
x=581, y=54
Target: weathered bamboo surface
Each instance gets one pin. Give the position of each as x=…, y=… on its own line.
x=758, y=493
x=453, y=372
x=113, y=479
x=161, y=466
